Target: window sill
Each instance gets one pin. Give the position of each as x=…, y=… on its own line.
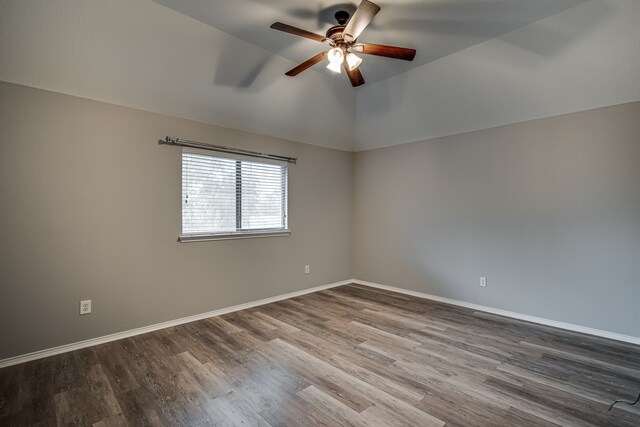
x=232, y=236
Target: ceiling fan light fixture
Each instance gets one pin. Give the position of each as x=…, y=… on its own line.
x=335, y=57
x=342, y=38
x=353, y=61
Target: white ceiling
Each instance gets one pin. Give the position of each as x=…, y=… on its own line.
x=142, y=54
x=583, y=58
x=435, y=28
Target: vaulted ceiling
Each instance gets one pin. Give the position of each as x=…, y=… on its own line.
x=480, y=63
x=436, y=28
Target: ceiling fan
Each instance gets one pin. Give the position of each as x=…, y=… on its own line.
x=343, y=41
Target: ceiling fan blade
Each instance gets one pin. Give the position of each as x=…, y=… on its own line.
x=395, y=52
x=306, y=64
x=361, y=18
x=297, y=31
x=355, y=76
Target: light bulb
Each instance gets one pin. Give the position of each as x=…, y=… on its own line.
x=353, y=61
x=335, y=67
x=335, y=57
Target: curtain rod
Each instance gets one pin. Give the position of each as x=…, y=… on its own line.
x=192, y=144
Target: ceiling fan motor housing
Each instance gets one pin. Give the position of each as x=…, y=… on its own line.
x=335, y=35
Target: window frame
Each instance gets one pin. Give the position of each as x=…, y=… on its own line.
x=239, y=233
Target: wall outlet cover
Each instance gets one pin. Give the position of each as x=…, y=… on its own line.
x=85, y=307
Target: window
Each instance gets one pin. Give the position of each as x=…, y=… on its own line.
x=227, y=198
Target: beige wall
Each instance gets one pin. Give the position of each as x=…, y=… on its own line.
x=547, y=210
x=91, y=210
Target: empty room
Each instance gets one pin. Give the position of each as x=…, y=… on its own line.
x=326, y=212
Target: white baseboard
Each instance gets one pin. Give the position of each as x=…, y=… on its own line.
x=506, y=313
x=143, y=330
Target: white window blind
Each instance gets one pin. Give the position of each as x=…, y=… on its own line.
x=226, y=196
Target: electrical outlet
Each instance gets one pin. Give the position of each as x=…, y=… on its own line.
x=306, y=269
x=483, y=282
x=85, y=307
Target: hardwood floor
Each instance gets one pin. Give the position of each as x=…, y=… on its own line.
x=351, y=355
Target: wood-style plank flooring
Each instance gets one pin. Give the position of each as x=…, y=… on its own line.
x=346, y=356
